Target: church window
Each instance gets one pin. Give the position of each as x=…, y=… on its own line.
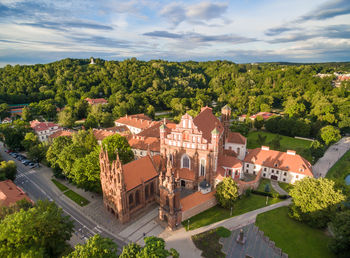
x=185, y=161
x=184, y=123
x=202, y=168
x=131, y=200
x=137, y=197
x=152, y=188
x=238, y=151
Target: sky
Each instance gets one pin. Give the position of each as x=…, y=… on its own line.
x=241, y=31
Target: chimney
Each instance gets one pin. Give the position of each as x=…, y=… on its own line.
x=265, y=148
x=291, y=152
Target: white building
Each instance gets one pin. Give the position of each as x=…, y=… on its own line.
x=44, y=129
x=285, y=167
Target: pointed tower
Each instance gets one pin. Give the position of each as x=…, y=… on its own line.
x=225, y=120
x=113, y=186
x=169, y=200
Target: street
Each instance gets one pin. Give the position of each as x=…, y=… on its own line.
x=37, y=189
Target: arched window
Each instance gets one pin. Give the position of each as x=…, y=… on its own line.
x=202, y=167
x=185, y=161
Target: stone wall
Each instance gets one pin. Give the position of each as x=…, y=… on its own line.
x=243, y=186
x=198, y=209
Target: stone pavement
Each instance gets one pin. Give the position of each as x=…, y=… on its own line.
x=145, y=226
x=256, y=245
x=181, y=239
x=331, y=156
x=277, y=188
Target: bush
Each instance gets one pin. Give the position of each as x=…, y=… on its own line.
x=223, y=232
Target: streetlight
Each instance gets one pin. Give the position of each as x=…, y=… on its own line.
x=188, y=225
x=231, y=212
x=267, y=199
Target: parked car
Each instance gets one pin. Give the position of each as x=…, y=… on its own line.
x=27, y=163
x=33, y=165
x=8, y=151
x=21, y=157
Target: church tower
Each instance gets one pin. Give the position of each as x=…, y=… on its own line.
x=169, y=200
x=225, y=120
x=113, y=186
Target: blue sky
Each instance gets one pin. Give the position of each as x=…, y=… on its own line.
x=242, y=31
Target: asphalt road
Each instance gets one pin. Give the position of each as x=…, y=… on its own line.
x=37, y=189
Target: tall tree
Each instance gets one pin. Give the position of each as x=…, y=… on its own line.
x=97, y=247
x=330, y=134
x=227, y=192
x=314, y=200
x=116, y=143
x=8, y=170
x=41, y=229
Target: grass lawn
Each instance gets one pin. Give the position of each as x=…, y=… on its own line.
x=262, y=186
x=217, y=213
x=77, y=198
x=287, y=143
x=59, y=185
x=286, y=187
x=340, y=169
x=296, y=239
x=208, y=242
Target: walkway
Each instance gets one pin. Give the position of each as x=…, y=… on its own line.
x=181, y=239
x=331, y=156
x=277, y=188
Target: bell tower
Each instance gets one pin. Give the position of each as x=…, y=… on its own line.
x=169, y=200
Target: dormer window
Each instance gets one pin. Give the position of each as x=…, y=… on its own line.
x=276, y=165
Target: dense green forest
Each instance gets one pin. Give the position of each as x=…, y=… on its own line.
x=133, y=86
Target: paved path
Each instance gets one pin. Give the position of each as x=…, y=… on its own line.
x=181, y=239
x=331, y=156
x=277, y=188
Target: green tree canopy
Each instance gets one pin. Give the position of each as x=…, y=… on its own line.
x=340, y=226
x=30, y=139
x=97, y=247
x=314, y=200
x=8, y=170
x=42, y=229
x=227, y=192
x=118, y=143
x=330, y=134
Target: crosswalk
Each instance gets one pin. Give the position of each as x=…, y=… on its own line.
x=23, y=174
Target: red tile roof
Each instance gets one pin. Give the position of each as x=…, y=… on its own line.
x=96, y=101
x=61, y=133
x=43, y=126
x=280, y=160
x=138, y=171
x=119, y=129
x=195, y=199
x=229, y=161
x=11, y=193
x=140, y=121
x=100, y=134
x=141, y=143
x=206, y=122
x=234, y=137
x=153, y=130
x=185, y=173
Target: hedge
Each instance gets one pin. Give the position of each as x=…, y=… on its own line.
x=280, y=196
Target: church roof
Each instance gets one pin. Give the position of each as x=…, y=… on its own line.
x=206, y=122
x=195, y=199
x=138, y=171
x=234, y=137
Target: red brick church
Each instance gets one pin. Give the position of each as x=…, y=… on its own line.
x=195, y=155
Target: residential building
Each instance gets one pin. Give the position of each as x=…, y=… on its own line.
x=135, y=123
x=44, y=129
x=100, y=101
x=287, y=167
x=11, y=193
